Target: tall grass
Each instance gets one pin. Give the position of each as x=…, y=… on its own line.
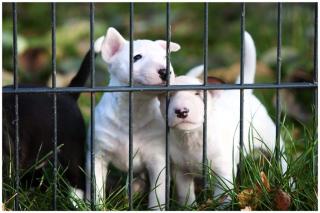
x=299, y=182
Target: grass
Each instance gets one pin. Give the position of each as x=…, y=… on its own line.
x=253, y=191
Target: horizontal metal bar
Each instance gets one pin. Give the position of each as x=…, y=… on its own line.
x=11, y=90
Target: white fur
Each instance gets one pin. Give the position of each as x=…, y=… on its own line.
x=112, y=114
x=76, y=194
x=196, y=71
x=249, y=60
x=98, y=44
x=223, y=116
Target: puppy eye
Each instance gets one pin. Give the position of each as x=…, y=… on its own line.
x=197, y=93
x=137, y=57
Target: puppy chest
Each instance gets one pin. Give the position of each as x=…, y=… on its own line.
x=116, y=149
x=119, y=157
x=186, y=159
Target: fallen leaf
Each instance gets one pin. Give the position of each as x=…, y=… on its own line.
x=202, y=207
x=251, y=197
x=3, y=207
x=282, y=200
x=209, y=202
x=246, y=198
x=247, y=208
x=223, y=199
x=205, y=205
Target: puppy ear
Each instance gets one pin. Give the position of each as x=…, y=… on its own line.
x=174, y=47
x=214, y=80
x=112, y=43
x=98, y=44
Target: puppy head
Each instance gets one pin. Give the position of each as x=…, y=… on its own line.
x=186, y=108
x=149, y=58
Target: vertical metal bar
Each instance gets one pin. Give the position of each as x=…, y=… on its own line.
x=278, y=109
x=205, y=81
x=92, y=106
x=315, y=79
x=130, y=107
x=242, y=27
x=53, y=54
x=16, y=108
x=168, y=38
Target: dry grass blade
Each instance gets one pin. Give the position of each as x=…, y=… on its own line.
x=265, y=182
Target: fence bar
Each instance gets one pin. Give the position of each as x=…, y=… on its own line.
x=315, y=79
x=278, y=109
x=16, y=108
x=92, y=106
x=205, y=81
x=130, y=107
x=168, y=38
x=38, y=90
x=242, y=50
x=53, y=61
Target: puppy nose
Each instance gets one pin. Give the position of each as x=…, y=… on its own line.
x=182, y=113
x=163, y=74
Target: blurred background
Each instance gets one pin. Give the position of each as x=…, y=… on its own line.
x=34, y=45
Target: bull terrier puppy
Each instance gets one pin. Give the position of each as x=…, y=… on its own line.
x=186, y=116
x=112, y=113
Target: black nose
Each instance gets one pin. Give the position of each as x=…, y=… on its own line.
x=182, y=113
x=163, y=74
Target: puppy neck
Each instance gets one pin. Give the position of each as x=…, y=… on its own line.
x=144, y=106
x=139, y=96
x=190, y=138
x=115, y=82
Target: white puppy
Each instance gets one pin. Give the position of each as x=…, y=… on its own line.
x=186, y=116
x=112, y=114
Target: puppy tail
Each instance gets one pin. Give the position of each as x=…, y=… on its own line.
x=80, y=79
x=196, y=71
x=249, y=60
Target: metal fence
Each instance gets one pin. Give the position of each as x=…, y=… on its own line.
x=131, y=89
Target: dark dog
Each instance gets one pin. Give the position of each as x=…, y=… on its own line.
x=36, y=133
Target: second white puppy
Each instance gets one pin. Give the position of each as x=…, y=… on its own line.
x=186, y=116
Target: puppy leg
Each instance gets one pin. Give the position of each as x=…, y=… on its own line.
x=157, y=177
x=101, y=169
x=185, y=188
x=224, y=182
x=76, y=194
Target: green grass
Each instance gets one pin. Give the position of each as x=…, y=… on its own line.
x=300, y=169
